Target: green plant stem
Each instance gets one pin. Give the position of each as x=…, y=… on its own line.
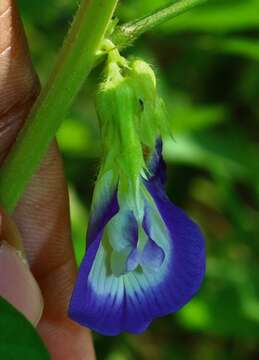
x=75, y=62
x=125, y=35
x=77, y=57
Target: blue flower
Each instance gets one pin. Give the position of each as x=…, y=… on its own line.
x=145, y=258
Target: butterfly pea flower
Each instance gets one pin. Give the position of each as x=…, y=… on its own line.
x=145, y=257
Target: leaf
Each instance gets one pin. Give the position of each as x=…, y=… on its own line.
x=228, y=302
x=18, y=338
x=232, y=157
x=186, y=116
x=244, y=47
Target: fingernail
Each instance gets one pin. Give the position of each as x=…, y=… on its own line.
x=17, y=284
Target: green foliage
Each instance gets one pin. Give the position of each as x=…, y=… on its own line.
x=217, y=16
x=18, y=338
x=208, y=73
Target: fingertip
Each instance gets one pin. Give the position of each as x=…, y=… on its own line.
x=66, y=339
x=17, y=284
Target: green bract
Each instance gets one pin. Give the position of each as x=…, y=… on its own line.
x=132, y=117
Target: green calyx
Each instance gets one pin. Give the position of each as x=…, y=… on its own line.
x=153, y=120
x=132, y=116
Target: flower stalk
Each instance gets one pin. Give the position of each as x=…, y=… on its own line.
x=126, y=34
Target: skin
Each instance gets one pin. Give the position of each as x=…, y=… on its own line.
x=42, y=215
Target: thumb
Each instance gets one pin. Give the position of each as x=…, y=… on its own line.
x=17, y=284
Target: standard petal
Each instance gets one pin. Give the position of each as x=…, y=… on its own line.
x=159, y=267
x=186, y=265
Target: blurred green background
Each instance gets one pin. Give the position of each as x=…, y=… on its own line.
x=207, y=62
